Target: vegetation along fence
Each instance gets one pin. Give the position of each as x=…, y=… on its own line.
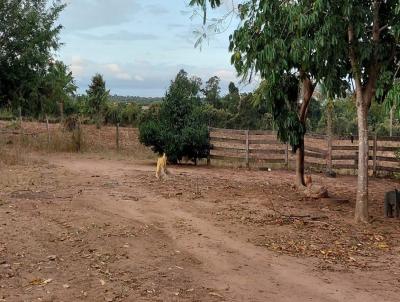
x=322, y=152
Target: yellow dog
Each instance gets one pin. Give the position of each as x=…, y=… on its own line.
x=161, y=166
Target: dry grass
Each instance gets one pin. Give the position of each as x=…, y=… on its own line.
x=13, y=155
x=16, y=144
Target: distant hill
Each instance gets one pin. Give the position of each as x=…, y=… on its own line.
x=136, y=99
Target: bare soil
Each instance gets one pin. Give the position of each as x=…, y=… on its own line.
x=85, y=228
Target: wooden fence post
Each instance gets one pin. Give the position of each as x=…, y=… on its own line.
x=20, y=116
x=329, y=155
x=48, y=130
x=117, y=136
x=208, y=156
x=287, y=155
x=61, y=105
x=375, y=149
x=329, y=139
x=20, y=125
x=247, y=149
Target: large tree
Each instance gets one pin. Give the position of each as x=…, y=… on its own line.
x=58, y=88
x=212, y=92
x=277, y=40
x=97, y=96
x=369, y=31
x=323, y=41
x=179, y=127
x=28, y=38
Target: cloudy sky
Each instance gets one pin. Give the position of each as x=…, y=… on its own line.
x=139, y=46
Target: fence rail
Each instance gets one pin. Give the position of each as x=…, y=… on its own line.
x=321, y=151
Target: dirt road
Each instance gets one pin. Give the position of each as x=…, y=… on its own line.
x=75, y=228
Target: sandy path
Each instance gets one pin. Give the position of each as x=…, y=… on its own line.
x=236, y=269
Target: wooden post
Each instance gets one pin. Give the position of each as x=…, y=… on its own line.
x=329, y=139
x=61, y=104
x=287, y=155
x=209, y=136
x=375, y=149
x=48, y=130
x=247, y=149
x=79, y=136
x=21, y=127
x=117, y=136
x=20, y=116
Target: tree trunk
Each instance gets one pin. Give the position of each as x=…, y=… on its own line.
x=300, y=164
x=307, y=92
x=361, y=212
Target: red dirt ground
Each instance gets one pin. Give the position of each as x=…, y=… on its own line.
x=85, y=228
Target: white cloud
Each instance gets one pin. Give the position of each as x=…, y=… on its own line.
x=122, y=35
x=87, y=14
x=226, y=75
x=123, y=76
x=118, y=72
x=77, y=66
x=139, y=78
x=114, y=68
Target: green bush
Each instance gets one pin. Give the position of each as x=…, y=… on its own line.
x=178, y=127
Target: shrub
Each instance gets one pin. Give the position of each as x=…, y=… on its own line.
x=178, y=127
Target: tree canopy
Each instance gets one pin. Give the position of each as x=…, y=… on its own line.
x=179, y=127
x=97, y=96
x=28, y=38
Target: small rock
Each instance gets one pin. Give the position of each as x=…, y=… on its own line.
x=52, y=257
x=215, y=295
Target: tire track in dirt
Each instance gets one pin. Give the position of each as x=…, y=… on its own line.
x=237, y=270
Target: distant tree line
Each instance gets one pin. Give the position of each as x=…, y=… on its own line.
x=135, y=99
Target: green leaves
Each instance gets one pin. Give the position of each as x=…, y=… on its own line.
x=179, y=128
x=28, y=38
x=393, y=99
x=56, y=86
x=212, y=91
x=97, y=96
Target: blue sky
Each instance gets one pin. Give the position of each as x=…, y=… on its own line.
x=139, y=46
